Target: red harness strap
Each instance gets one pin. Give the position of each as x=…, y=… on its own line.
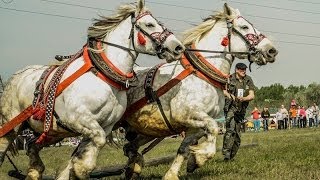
x=99, y=74
x=203, y=59
x=185, y=62
x=28, y=112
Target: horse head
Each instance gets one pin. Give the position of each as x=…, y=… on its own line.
x=133, y=29
x=225, y=35
x=152, y=36
x=244, y=37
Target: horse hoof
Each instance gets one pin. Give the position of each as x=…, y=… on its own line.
x=170, y=176
x=33, y=175
x=130, y=174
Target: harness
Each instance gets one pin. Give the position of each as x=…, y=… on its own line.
x=152, y=95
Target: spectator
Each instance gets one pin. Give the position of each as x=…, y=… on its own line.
x=265, y=116
x=293, y=115
x=303, y=120
x=299, y=123
x=256, y=121
x=310, y=116
x=279, y=118
x=285, y=115
x=316, y=114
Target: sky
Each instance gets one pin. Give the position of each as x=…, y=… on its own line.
x=34, y=31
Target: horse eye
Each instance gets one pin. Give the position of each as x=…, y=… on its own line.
x=150, y=25
x=244, y=27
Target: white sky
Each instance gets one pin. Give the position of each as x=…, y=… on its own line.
x=34, y=31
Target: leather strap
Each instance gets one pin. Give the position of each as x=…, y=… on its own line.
x=162, y=90
x=152, y=95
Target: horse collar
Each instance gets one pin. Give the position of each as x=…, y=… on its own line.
x=202, y=65
x=104, y=66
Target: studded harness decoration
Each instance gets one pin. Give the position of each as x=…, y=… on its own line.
x=46, y=101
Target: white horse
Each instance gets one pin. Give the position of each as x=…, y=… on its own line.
x=93, y=101
x=188, y=95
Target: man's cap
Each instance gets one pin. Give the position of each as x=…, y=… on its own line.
x=241, y=66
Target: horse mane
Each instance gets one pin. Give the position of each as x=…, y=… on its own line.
x=196, y=33
x=101, y=27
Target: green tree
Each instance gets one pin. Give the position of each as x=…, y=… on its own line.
x=312, y=93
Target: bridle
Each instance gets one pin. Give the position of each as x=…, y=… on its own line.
x=251, y=40
x=158, y=38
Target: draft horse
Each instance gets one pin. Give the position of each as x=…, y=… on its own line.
x=187, y=95
x=87, y=94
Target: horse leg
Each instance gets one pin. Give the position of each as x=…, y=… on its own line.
x=135, y=159
x=183, y=153
x=84, y=160
x=5, y=142
x=36, y=166
x=200, y=152
x=206, y=149
x=192, y=163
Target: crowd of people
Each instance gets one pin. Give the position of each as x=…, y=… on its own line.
x=297, y=116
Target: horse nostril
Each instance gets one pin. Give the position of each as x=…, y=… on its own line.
x=272, y=51
x=178, y=49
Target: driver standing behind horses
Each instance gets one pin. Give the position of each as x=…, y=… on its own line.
x=239, y=92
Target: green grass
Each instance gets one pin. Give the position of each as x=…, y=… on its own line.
x=286, y=154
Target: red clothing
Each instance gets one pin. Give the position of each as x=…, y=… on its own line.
x=302, y=113
x=255, y=114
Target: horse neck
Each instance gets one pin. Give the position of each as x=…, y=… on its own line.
x=212, y=41
x=120, y=36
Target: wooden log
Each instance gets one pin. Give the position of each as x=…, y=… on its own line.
x=119, y=169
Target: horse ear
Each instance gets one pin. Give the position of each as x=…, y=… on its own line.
x=227, y=9
x=140, y=6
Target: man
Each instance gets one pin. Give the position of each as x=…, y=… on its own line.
x=238, y=93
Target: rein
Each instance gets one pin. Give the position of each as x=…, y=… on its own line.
x=212, y=51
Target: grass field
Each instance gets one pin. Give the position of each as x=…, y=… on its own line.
x=286, y=154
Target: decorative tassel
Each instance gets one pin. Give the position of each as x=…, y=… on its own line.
x=42, y=138
x=38, y=113
x=225, y=41
x=142, y=41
